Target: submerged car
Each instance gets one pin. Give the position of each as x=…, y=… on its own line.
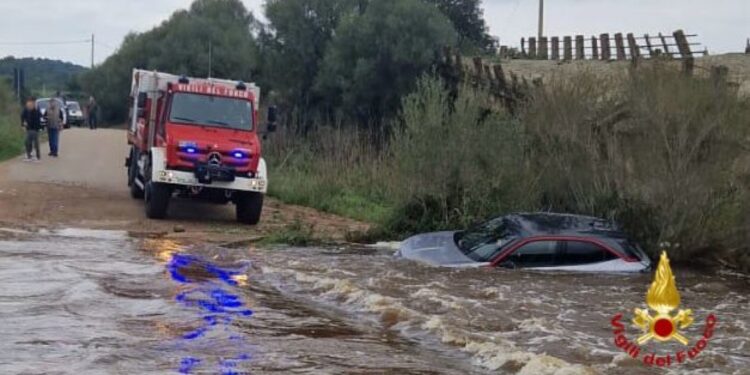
x=544, y=241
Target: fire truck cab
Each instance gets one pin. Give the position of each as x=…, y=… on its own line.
x=198, y=139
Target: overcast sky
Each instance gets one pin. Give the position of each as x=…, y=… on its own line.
x=723, y=25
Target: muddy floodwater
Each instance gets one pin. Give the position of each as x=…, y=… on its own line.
x=101, y=302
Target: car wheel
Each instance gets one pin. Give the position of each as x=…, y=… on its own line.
x=157, y=200
x=249, y=207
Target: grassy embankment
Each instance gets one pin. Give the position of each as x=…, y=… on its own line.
x=662, y=153
x=11, y=134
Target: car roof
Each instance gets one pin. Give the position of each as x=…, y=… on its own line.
x=556, y=224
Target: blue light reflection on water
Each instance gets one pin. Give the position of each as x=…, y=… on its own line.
x=216, y=305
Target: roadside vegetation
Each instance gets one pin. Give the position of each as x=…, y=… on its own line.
x=319, y=60
x=662, y=153
x=11, y=133
x=373, y=128
x=42, y=77
x=293, y=234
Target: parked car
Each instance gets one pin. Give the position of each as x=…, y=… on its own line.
x=543, y=241
x=74, y=112
x=43, y=104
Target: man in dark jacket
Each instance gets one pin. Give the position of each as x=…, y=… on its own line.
x=92, y=110
x=31, y=120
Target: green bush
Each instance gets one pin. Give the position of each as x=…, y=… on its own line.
x=456, y=162
x=334, y=169
x=661, y=152
x=294, y=234
x=11, y=133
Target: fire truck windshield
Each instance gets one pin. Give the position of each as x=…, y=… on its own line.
x=217, y=111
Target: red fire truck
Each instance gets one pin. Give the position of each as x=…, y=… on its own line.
x=196, y=138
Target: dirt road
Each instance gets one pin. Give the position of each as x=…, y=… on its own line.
x=86, y=187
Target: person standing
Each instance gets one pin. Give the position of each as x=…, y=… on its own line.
x=92, y=108
x=31, y=120
x=55, y=118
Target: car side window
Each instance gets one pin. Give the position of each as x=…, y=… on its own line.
x=535, y=254
x=579, y=252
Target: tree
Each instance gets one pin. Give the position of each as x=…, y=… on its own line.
x=376, y=56
x=468, y=20
x=293, y=47
x=180, y=45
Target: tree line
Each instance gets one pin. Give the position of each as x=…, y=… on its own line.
x=321, y=60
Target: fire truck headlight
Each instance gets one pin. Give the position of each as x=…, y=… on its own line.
x=240, y=154
x=189, y=147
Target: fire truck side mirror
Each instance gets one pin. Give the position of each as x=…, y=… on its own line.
x=271, y=119
x=142, y=96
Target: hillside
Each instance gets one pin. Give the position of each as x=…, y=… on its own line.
x=41, y=74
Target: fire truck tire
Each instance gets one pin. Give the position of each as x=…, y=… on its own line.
x=135, y=191
x=157, y=200
x=249, y=207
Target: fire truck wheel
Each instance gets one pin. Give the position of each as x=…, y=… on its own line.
x=249, y=207
x=157, y=200
x=135, y=191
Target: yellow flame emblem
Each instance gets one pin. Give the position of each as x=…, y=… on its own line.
x=663, y=298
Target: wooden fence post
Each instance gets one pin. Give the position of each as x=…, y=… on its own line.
x=649, y=47
x=532, y=48
x=580, y=48
x=619, y=46
x=683, y=46
x=594, y=49
x=665, y=45
x=606, y=50
x=555, y=48
x=635, y=51
x=500, y=77
x=567, y=48
x=504, y=52
x=543, y=48
x=478, y=68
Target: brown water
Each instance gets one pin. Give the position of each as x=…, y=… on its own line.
x=92, y=302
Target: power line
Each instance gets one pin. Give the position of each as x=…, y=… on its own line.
x=105, y=45
x=45, y=43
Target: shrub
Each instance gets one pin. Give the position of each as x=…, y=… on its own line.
x=11, y=133
x=662, y=153
x=456, y=162
x=659, y=151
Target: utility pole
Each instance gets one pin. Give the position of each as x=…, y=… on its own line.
x=541, y=20
x=92, y=50
x=210, y=57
